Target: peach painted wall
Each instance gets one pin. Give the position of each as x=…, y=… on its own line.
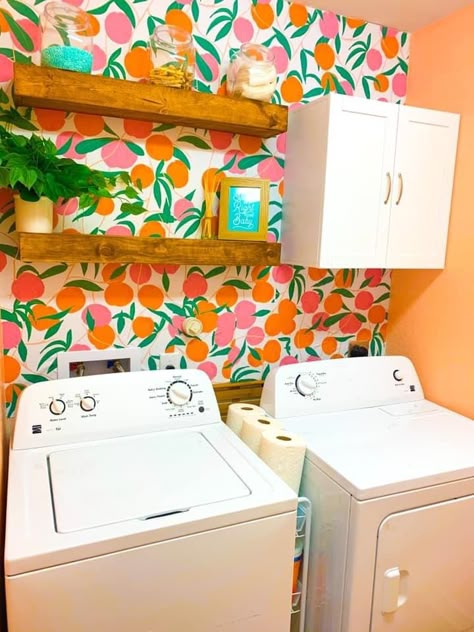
x=431, y=312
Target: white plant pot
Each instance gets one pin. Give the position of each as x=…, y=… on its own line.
x=33, y=217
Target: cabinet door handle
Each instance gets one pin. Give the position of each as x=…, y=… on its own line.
x=389, y=187
x=400, y=188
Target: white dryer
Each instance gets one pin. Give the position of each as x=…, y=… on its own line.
x=391, y=480
x=132, y=508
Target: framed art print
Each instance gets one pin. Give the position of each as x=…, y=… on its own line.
x=243, y=210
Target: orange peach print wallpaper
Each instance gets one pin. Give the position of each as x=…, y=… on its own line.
x=253, y=317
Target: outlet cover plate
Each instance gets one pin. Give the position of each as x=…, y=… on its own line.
x=170, y=360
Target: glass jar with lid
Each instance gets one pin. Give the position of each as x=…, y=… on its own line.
x=66, y=40
x=172, y=57
x=252, y=73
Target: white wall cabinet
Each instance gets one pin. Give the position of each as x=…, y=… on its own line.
x=367, y=184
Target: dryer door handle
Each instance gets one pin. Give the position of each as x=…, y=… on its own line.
x=394, y=590
x=391, y=589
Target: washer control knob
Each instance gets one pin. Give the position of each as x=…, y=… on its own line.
x=179, y=393
x=305, y=385
x=87, y=403
x=397, y=375
x=57, y=407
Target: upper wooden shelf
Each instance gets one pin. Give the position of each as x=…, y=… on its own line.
x=72, y=248
x=37, y=86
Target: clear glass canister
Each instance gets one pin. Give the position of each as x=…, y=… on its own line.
x=172, y=57
x=252, y=73
x=66, y=41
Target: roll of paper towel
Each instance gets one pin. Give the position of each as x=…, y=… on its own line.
x=284, y=454
x=237, y=412
x=253, y=426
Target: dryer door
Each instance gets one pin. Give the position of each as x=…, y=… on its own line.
x=424, y=576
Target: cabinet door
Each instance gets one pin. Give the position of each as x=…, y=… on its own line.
x=421, y=199
x=424, y=575
x=360, y=162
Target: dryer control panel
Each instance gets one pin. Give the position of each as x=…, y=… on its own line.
x=119, y=404
x=309, y=388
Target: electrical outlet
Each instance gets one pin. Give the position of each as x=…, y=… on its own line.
x=95, y=362
x=169, y=360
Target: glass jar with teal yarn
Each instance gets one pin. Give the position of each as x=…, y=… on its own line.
x=66, y=38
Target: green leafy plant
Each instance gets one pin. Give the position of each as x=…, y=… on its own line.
x=31, y=167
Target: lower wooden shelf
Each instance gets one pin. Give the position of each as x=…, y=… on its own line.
x=72, y=248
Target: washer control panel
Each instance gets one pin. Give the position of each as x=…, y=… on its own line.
x=332, y=385
x=90, y=408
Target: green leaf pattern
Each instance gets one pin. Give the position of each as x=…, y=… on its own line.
x=253, y=317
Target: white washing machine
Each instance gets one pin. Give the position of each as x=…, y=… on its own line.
x=391, y=480
x=132, y=508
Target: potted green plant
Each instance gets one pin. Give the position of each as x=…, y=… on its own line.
x=39, y=177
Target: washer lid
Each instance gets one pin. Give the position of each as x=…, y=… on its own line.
x=139, y=477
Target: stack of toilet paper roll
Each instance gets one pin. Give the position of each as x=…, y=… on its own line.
x=283, y=452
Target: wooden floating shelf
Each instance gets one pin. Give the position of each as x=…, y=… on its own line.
x=41, y=87
x=72, y=248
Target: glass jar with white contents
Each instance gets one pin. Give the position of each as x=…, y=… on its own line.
x=252, y=73
x=66, y=40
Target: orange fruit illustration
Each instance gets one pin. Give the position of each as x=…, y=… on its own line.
x=226, y=295
x=263, y=292
x=304, y=338
x=263, y=15
x=159, y=147
x=89, y=124
x=197, y=350
x=43, y=317
x=101, y=337
x=376, y=314
x=381, y=83
x=176, y=17
x=390, y=46
x=150, y=296
x=178, y=172
x=333, y=303
x=118, y=294
x=71, y=298
x=144, y=174
x=105, y=206
x=324, y=55
x=298, y=14
x=329, y=345
x=271, y=351
x=11, y=368
x=143, y=326
x=292, y=90
x=138, y=62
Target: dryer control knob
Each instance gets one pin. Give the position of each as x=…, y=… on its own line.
x=87, y=403
x=305, y=385
x=179, y=393
x=57, y=407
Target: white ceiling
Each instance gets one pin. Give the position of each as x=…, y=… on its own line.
x=405, y=15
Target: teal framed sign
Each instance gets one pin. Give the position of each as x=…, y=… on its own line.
x=243, y=209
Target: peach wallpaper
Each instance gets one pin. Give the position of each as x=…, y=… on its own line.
x=253, y=317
